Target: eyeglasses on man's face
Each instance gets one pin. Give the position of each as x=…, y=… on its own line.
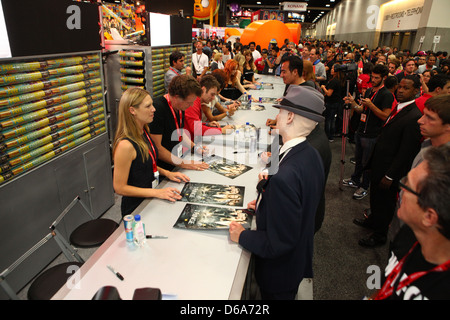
x=402, y=184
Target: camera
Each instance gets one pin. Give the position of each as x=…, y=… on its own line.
x=346, y=67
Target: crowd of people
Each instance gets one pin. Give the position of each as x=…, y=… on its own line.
x=399, y=121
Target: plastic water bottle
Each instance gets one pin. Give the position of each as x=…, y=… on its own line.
x=252, y=141
x=247, y=131
x=236, y=139
x=139, y=231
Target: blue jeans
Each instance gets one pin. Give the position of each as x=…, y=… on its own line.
x=363, y=150
x=331, y=110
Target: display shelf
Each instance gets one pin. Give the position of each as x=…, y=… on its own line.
x=47, y=107
x=161, y=63
x=132, y=68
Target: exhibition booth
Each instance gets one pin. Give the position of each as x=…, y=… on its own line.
x=64, y=66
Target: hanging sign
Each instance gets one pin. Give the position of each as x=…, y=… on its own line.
x=294, y=6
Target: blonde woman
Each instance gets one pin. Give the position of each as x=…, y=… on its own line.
x=217, y=62
x=136, y=173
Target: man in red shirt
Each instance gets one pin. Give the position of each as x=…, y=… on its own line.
x=193, y=114
x=438, y=84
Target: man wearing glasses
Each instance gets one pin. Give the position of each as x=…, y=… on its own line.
x=419, y=267
x=435, y=128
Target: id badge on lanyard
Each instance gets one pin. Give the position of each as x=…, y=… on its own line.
x=180, y=150
x=363, y=117
x=155, y=181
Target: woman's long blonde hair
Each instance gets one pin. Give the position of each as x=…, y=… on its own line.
x=126, y=124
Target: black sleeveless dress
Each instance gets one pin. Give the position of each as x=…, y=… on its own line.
x=231, y=92
x=247, y=75
x=141, y=175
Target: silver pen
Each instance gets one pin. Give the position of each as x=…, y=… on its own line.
x=149, y=236
x=118, y=275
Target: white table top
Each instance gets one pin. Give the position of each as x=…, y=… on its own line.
x=188, y=265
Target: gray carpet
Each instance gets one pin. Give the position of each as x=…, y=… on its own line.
x=340, y=264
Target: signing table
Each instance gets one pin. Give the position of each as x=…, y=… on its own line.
x=189, y=264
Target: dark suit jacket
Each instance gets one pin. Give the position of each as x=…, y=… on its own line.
x=319, y=140
x=397, y=145
x=283, y=241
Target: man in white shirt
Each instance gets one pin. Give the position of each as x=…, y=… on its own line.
x=255, y=53
x=200, y=61
x=429, y=65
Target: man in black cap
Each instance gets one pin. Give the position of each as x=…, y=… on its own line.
x=287, y=201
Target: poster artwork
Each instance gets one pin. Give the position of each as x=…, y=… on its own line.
x=217, y=194
x=225, y=167
x=201, y=217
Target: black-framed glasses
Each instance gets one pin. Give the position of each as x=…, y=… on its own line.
x=402, y=185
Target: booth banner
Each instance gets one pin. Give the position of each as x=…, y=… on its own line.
x=272, y=15
x=403, y=15
x=295, y=6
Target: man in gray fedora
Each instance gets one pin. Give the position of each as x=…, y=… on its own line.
x=287, y=201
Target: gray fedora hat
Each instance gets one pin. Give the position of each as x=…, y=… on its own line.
x=305, y=101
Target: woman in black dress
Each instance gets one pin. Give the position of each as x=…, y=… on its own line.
x=136, y=174
x=249, y=69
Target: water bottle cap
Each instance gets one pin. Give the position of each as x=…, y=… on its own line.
x=237, y=130
x=137, y=217
x=247, y=123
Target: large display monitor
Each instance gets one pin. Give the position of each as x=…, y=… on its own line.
x=159, y=29
x=5, y=49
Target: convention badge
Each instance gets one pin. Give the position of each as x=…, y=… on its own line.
x=155, y=181
x=363, y=117
x=180, y=151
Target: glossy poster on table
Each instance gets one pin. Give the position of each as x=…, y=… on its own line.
x=217, y=194
x=202, y=217
x=225, y=167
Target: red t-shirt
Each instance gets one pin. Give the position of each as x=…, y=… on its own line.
x=259, y=64
x=420, y=101
x=363, y=82
x=193, y=121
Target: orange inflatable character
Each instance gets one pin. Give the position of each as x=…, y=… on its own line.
x=202, y=9
x=263, y=31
